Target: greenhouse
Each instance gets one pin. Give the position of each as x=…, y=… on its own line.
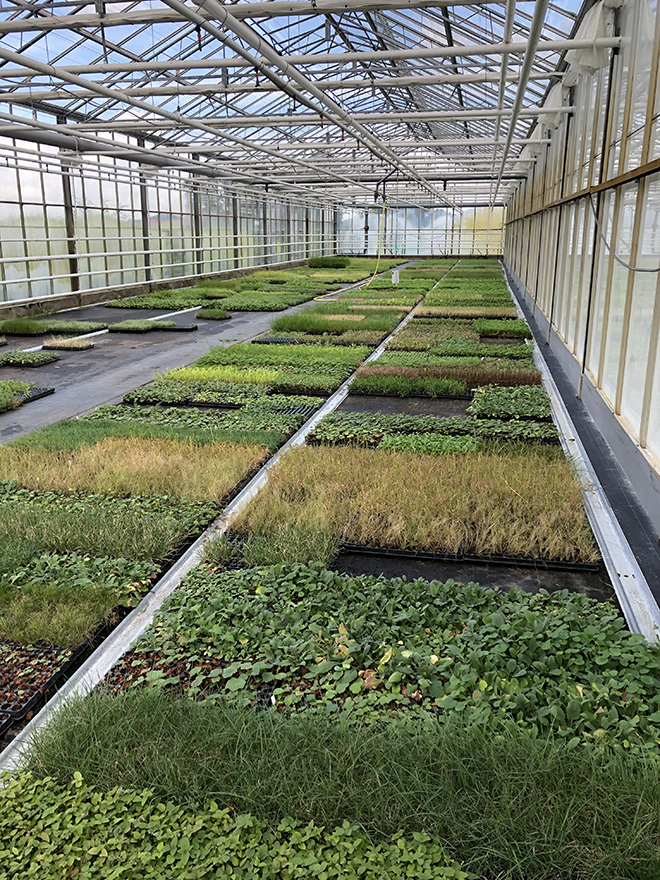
x=330, y=440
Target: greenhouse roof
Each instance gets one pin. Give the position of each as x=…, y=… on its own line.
x=438, y=103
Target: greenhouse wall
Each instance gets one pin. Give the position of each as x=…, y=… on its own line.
x=429, y=232
x=583, y=232
x=72, y=224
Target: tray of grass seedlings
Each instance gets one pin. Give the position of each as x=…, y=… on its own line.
x=63, y=343
x=149, y=326
x=14, y=393
x=42, y=326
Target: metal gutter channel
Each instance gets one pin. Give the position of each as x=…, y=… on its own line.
x=131, y=628
x=630, y=585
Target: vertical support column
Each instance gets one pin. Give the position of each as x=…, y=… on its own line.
x=235, y=231
x=69, y=222
x=366, y=232
x=144, y=216
x=197, y=224
x=308, y=251
x=288, y=231
x=265, y=238
x=335, y=242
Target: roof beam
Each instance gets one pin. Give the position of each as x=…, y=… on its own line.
x=30, y=95
x=428, y=53
x=227, y=122
x=240, y=11
x=297, y=85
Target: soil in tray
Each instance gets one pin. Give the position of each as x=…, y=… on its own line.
x=410, y=406
x=594, y=584
x=25, y=671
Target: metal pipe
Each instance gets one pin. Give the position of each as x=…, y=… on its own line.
x=478, y=50
x=349, y=145
x=540, y=9
x=240, y=11
x=225, y=122
x=117, y=95
x=31, y=95
x=337, y=113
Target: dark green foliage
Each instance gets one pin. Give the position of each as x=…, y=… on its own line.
x=328, y=262
x=523, y=402
x=141, y=326
x=404, y=386
x=502, y=327
x=260, y=301
x=34, y=327
x=214, y=314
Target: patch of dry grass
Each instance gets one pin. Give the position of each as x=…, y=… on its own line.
x=510, y=505
x=450, y=311
x=134, y=466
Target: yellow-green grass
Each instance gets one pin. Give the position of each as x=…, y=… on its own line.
x=502, y=504
x=220, y=373
x=134, y=466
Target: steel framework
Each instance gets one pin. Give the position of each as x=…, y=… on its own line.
x=421, y=92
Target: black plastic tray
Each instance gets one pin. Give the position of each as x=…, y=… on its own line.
x=36, y=393
x=472, y=558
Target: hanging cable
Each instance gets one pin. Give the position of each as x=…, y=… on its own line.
x=617, y=258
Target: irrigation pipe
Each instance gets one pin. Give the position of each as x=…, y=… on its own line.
x=632, y=590
x=122, y=639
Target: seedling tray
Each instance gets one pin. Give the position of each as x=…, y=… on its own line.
x=43, y=363
x=36, y=393
x=185, y=328
x=467, y=396
x=472, y=558
x=64, y=347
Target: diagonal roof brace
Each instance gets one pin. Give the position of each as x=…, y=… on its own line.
x=298, y=83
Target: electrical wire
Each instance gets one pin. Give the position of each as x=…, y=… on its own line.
x=617, y=258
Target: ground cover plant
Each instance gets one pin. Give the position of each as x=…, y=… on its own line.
x=440, y=656
x=461, y=352
x=328, y=262
x=525, y=402
x=13, y=393
x=375, y=430
x=71, y=434
x=195, y=392
x=258, y=301
x=214, y=314
x=516, y=327
x=27, y=358
x=251, y=417
x=59, y=599
x=125, y=465
x=334, y=318
x=142, y=326
x=34, y=327
x=406, y=382
x=486, y=503
x=345, y=337
x=167, y=300
x=135, y=527
x=122, y=833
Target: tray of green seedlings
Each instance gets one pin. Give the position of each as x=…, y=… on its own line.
x=466, y=310
x=339, y=317
x=27, y=358
x=168, y=390
x=515, y=328
x=524, y=402
x=148, y=326
x=432, y=435
x=443, y=653
x=14, y=393
x=53, y=612
x=298, y=369
x=213, y=313
x=423, y=334
x=265, y=301
x=41, y=326
x=497, y=503
x=347, y=337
